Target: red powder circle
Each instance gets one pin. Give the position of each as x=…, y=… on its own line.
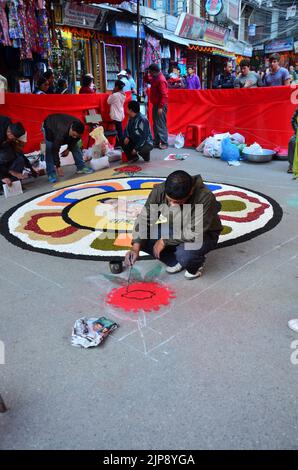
x=146, y=296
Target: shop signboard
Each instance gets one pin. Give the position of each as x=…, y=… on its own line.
x=259, y=47
x=127, y=30
x=215, y=34
x=252, y=29
x=279, y=45
x=233, y=10
x=213, y=7
x=296, y=47
x=291, y=12
x=80, y=15
x=190, y=27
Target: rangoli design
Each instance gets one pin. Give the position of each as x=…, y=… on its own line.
x=76, y=221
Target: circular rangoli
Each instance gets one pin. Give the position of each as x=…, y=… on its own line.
x=77, y=221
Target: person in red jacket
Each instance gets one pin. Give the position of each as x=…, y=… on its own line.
x=159, y=99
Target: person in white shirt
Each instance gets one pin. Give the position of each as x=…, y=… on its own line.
x=116, y=101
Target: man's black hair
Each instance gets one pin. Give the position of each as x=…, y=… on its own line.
x=48, y=74
x=128, y=71
x=154, y=68
x=61, y=82
x=17, y=129
x=244, y=63
x=274, y=56
x=178, y=185
x=119, y=84
x=41, y=81
x=134, y=106
x=78, y=127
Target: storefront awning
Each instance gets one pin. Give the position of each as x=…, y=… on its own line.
x=167, y=35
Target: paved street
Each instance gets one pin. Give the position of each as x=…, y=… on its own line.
x=212, y=370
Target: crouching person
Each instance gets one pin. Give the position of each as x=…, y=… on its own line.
x=12, y=161
x=138, y=140
x=62, y=129
x=199, y=230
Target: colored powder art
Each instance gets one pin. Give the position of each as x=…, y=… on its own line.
x=94, y=219
x=141, y=296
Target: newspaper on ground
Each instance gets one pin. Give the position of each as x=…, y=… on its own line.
x=88, y=332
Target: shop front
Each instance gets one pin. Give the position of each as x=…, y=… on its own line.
x=25, y=42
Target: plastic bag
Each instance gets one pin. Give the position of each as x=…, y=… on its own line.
x=229, y=151
x=209, y=147
x=239, y=139
x=171, y=140
x=255, y=149
x=179, y=141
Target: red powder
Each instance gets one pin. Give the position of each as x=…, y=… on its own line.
x=146, y=296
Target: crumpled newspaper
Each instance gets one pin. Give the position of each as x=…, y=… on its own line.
x=88, y=332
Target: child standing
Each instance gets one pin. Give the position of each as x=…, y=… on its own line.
x=116, y=101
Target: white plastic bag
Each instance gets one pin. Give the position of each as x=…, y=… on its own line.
x=179, y=141
x=99, y=163
x=171, y=140
x=254, y=149
x=240, y=139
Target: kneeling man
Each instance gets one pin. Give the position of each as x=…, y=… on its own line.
x=192, y=229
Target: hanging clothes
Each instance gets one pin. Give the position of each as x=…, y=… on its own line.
x=32, y=24
x=4, y=28
x=43, y=33
x=15, y=28
x=26, y=52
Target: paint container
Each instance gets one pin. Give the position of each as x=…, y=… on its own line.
x=116, y=266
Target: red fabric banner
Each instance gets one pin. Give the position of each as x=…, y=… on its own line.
x=262, y=115
x=31, y=110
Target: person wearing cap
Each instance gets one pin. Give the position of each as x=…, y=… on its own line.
x=179, y=224
x=124, y=78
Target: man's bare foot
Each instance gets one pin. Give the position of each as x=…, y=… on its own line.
x=59, y=171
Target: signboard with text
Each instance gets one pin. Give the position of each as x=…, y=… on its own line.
x=233, y=10
x=213, y=7
x=215, y=34
x=279, y=45
x=190, y=27
x=80, y=15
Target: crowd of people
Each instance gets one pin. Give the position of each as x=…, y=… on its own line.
x=242, y=77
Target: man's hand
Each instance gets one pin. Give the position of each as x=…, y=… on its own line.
x=134, y=152
x=65, y=153
x=159, y=112
x=158, y=247
x=126, y=141
x=7, y=181
x=248, y=83
x=132, y=255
